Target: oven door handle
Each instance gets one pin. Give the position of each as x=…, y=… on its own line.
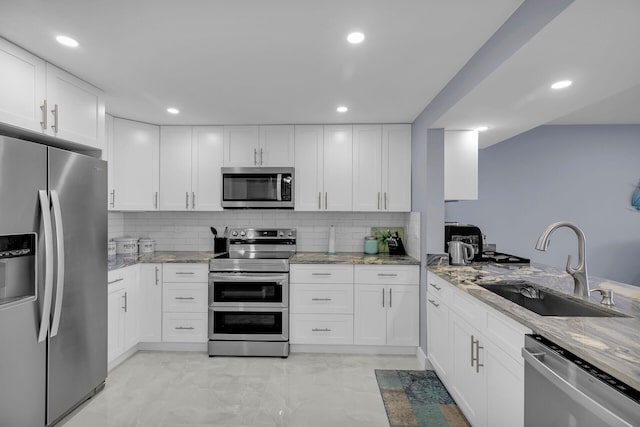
x=536, y=361
x=240, y=277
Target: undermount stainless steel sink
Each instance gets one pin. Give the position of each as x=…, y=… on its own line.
x=546, y=302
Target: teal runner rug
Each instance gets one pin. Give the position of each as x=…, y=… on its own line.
x=417, y=399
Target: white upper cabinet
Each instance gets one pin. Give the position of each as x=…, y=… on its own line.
x=309, y=160
x=338, y=167
x=323, y=158
x=259, y=145
x=175, y=168
x=461, y=165
x=76, y=107
x=190, y=160
x=206, y=180
x=367, y=172
x=396, y=168
x=42, y=98
x=135, y=166
x=22, y=88
x=382, y=168
x=276, y=145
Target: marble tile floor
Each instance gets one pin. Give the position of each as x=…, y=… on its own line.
x=190, y=389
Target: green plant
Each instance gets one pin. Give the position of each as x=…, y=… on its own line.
x=382, y=236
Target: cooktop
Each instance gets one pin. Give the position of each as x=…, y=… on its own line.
x=502, y=258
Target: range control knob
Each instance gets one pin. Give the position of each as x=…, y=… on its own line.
x=281, y=234
x=242, y=234
x=289, y=234
x=234, y=234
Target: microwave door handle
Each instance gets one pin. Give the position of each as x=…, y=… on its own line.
x=279, y=188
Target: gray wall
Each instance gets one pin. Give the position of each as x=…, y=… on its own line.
x=582, y=174
x=427, y=198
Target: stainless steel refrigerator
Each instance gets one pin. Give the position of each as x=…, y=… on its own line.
x=53, y=281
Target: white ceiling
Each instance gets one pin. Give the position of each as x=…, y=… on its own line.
x=594, y=43
x=279, y=61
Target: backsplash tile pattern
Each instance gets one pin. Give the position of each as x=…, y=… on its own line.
x=189, y=231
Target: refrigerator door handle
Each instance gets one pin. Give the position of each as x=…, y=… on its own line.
x=57, y=217
x=48, y=265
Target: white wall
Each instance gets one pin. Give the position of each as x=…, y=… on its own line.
x=189, y=231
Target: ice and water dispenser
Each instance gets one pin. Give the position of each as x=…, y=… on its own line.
x=17, y=268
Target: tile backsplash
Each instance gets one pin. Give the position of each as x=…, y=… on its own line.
x=189, y=231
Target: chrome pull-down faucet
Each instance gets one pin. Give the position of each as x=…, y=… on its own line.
x=579, y=273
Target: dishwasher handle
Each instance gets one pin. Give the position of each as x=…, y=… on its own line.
x=536, y=361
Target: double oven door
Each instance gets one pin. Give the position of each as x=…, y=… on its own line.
x=248, y=306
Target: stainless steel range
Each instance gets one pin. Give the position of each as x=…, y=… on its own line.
x=249, y=294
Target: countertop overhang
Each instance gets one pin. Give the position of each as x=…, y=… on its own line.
x=609, y=343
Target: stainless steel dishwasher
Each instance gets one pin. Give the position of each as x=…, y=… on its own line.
x=561, y=389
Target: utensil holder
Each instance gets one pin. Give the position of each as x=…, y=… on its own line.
x=219, y=244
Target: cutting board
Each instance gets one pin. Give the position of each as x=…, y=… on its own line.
x=382, y=248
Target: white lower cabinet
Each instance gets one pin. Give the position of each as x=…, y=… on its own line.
x=476, y=352
x=386, y=309
x=150, y=302
x=122, y=317
x=321, y=304
x=184, y=302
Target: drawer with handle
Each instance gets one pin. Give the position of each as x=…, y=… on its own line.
x=321, y=273
x=438, y=287
x=307, y=298
x=387, y=274
x=184, y=327
x=321, y=329
x=185, y=272
x=184, y=297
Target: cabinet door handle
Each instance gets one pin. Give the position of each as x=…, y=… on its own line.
x=54, y=126
x=113, y=198
x=155, y=201
x=473, y=342
x=325, y=201
x=43, y=108
x=184, y=328
x=186, y=200
x=185, y=272
x=478, y=364
x=321, y=274
x=383, y=297
x=433, y=302
x=261, y=153
x=320, y=330
x=378, y=200
x=319, y=200
x=255, y=157
x=320, y=299
x=184, y=298
x=385, y=200
x=114, y=281
x=156, y=276
x=390, y=297
x=125, y=302
x=388, y=274
x=193, y=200
x=437, y=288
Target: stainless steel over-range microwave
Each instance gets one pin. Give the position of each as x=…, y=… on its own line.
x=258, y=188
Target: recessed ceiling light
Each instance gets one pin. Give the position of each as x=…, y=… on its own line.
x=561, y=84
x=67, y=41
x=342, y=109
x=173, y=110
x=481, y=128
x=355, y=37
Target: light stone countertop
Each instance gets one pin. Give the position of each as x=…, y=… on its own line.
x=609, y=343
x=164, y=256
x=351, y=258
